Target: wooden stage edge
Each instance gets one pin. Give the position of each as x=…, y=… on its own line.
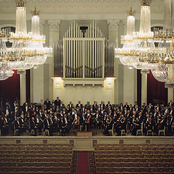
x=86, y=143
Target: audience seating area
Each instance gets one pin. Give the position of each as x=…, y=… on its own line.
x=36, y=158
x=134, y=158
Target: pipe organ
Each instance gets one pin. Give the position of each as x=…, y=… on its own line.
x=76, y=56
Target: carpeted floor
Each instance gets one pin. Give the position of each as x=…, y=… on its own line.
x=83, y=163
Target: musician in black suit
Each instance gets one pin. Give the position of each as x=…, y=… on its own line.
x=82, y=121
x=33, y=125
x=87, y=106
x=18, y=125
x=122, y=126
x=169, y=124
x=171, y=112
x=25, y=108
x=170, y=104
x=23, y=123
x=126, y=105
x=67, y=123
x=47, y=103
x=108, y=104
x=149, y=125
x=62, y=125
x=102, y=105
x=70, y=105
x=39, y=124
x=7, y=110
x=95, y=106
x=57, y=101
x=136, y=126
x=61, y=105
x=108, y=125
x=79, y=105
x=47, y=124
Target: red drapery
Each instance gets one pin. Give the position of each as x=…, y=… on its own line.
x=139, y=79
x=28, y=85
x=10, y=88
x=155, y=89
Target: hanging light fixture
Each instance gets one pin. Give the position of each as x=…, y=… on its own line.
x=144, y=38
x=129, y=52
x=41, y=53
x=21, y=40
x=163, y=56
x=27, y=49
x=5, y=57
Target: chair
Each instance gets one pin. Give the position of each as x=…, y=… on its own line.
x=140, y=131
x=123, y=132
x=162, y=131
x=112, y=130
x=32, y=132
x=47, y=132
x=15, y=130
x=81, y=127
x=149, y=132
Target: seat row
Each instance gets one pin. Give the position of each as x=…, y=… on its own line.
x=134, y=152
x=36, y=145
x=34, y=164
x=30, y=160
x=36, y=170
x=136, y=169
x=134, y=148
x=134, y=156
x=134, y=164
x=149, y=160
x=35, y=148
x=35, y=152
x=133, y=145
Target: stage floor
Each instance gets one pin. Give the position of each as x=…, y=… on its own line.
x=86, y=143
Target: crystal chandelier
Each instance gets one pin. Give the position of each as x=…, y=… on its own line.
x=27, y=49
x=144, y=38
x=163, y=56
x=40, y=53
x=129, y=52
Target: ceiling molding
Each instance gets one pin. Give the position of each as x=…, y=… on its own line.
x=81, y=9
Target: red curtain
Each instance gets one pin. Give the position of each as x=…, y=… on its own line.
x=139, y=79
x=28, y=85
x=10, y=88
x=155, y=89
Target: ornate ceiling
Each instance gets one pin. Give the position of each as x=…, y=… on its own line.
x=71, y=9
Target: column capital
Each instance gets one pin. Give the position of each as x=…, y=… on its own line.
x=113, y=24
x=54, y=24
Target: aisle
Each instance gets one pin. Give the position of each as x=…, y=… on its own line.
x=83, y=163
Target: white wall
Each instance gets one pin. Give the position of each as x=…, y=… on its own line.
x=76, y=92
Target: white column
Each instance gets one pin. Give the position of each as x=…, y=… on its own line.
x=38, y=84
x=129, y=85
x=144, y=89
x=113, y=26
x=170, y=94
x=53, y=37
x=37, y=77
x=22, y=89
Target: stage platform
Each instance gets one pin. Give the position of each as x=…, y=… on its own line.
x=84, y=133
x=86, y=143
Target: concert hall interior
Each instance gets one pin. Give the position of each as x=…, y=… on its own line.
x=86, y=86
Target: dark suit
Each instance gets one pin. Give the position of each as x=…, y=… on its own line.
x=48, y=125
x=47, y=103
x=57, y=102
